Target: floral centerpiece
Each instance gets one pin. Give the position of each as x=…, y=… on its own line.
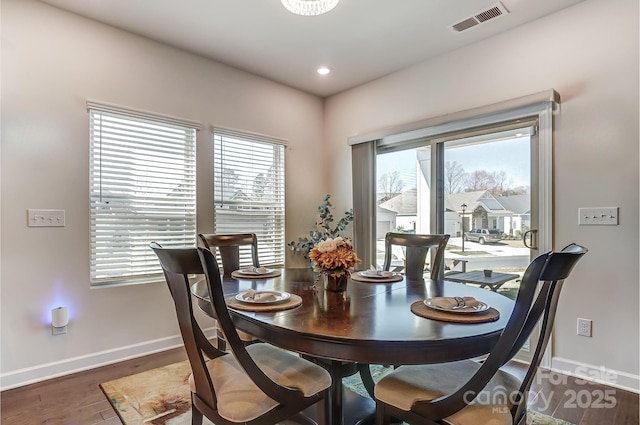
x=325, y=227
x=330, y=255
x=333, y=258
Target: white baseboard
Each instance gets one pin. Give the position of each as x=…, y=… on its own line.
x=599, y=374
x=46, y=371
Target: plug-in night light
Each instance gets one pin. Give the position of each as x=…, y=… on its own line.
x=59, y=320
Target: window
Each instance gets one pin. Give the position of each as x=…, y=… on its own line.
x=249, y=191
x=142, y=189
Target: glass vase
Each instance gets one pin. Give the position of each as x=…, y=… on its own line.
x=335, y=282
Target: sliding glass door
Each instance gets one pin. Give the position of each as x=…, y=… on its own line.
x=487, y=205
x=483, y=199
x=403, y=196
x=484, y=176
x=480, y=187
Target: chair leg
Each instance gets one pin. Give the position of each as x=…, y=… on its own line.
x=522, y=419
x=222, y=344
x=323, y=409
x=196, y=415
x=382, y=418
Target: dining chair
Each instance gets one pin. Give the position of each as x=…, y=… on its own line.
x=416, y=248
x=470, y=392
x=228, y=246
x=446, y=393
x=258, y=384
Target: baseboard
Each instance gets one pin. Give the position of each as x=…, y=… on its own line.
x=599, y=374
x=64, y=367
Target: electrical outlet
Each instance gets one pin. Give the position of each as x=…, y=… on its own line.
x=584, y=327
x=58, y=331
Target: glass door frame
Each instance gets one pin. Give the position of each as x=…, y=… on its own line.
x=496, y=132
x=541, y=189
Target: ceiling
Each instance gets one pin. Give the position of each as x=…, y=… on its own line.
x=361, y=40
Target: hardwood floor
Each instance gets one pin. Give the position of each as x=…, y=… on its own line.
x=77, y=400
x=580, y=402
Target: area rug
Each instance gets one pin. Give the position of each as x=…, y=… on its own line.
x=161, y=396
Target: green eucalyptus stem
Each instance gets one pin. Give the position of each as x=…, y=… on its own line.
x=325, y=227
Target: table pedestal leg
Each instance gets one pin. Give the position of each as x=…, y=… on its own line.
x=345, y=406
x=335, y=369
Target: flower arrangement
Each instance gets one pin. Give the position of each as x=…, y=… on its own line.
x=324, y=229
x=334, y=256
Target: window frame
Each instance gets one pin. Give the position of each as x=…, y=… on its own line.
x=135, y=159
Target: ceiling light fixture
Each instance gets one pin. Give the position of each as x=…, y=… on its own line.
x=309, y=7
x=323, y=70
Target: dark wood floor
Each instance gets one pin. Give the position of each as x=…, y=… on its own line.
x=580, y=402
x=77, y=400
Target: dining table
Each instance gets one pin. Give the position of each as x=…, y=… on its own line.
x=375, y=321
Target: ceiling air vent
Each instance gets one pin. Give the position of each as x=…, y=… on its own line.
x=492, y=12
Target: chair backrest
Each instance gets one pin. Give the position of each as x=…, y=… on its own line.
x=229, y=248
x=177, y=265
x=557, y=269
x=551, y=268
x=416, y=249
x=277, y=392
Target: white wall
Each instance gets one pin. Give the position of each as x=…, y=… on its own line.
x=589, y=54
x=52, y=61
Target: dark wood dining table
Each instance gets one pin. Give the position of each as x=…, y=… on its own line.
x=369, y=323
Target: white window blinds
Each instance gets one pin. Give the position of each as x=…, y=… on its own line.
x=249, y=191
x=142, y=189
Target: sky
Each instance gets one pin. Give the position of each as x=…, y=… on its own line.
x=511, y=156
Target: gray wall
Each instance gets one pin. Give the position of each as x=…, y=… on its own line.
x=52, y=61
x=589, y=54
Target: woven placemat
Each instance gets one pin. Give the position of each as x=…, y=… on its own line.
x=359, y=278
x=420, y=309
x=292, y=302
x=239, y=275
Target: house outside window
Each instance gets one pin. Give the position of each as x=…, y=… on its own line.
x=249, y=194
x=142, y=189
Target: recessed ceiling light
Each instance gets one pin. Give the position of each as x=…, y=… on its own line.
x=323, y=70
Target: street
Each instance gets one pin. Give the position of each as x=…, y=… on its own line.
x=497, y=256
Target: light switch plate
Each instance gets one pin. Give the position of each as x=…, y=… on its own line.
x=598, y=216
x=45, y=218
